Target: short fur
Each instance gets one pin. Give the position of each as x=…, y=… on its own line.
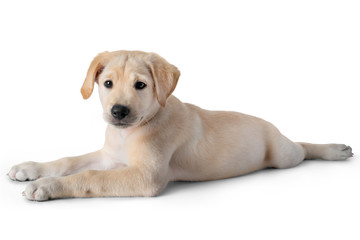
x=162, y=139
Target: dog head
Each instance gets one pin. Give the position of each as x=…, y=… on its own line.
x=133, y=85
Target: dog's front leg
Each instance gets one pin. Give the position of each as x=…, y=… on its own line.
x=130, y=181
x=28, y=171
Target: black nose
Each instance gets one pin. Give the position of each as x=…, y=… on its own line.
x=119, y=111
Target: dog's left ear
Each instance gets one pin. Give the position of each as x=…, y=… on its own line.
x=96, y=66
x=165, y=77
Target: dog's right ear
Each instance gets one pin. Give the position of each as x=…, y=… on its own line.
x=96, y=67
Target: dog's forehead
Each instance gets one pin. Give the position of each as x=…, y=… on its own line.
x=126, y=64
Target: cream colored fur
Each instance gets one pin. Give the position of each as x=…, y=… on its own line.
x=162, y=139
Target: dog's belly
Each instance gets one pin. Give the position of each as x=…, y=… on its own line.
x=178, y=174
x=233, y=159
x=222, y=169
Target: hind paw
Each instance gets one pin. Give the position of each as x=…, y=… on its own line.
x=338, y=152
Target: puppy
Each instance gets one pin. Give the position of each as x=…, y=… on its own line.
x=153, y=138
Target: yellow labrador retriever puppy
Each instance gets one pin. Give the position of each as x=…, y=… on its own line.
x=153, y=138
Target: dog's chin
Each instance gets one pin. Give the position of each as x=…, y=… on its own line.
x=119, y=124
x=125, y=123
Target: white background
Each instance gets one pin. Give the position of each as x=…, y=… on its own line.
x=293, y=63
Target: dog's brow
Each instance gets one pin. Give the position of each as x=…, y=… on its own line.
x=139, y=76
x=111, y=74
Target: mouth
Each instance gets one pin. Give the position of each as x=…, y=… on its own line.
x=121, y=125
x=124, y=123
x=118, y=123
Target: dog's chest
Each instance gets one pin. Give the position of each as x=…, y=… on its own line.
x=115, y=145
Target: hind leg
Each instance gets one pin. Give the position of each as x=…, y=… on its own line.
x=327, y=151
x=285, y=153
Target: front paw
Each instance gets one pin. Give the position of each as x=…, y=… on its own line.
x=26, y=171
x=44, y=189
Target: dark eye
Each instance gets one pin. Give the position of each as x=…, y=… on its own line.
x=108, y=84
x=139, y=85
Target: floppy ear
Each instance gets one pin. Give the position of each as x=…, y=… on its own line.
x=165, y=77
x=96, y=66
